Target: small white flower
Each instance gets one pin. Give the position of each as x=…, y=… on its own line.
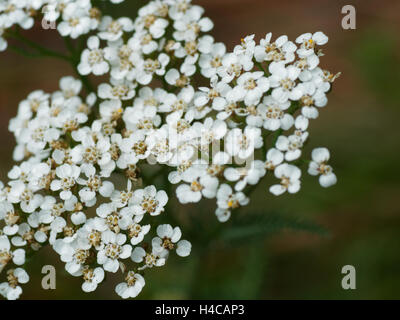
x=246, y=47
x=111, y=109
x=289, y=176
x=25, y=232
x=185, y=27
x=319, y=166
x=160, y=152
x=92, y=150
x=271, y=115
x=308, y=43
x=93, y=184
x=143, y=119
x=137, y=232
x=121, y=198
x=38, y=133
x=223, y=215
x=211, y=131
x=233, y=65
x=22, y=194
x=148, y=200
x=6, y=254
x=10, y=217
x=156, y=27
x=134, y=148
x=149, y=67
x=123, y=60
x=200, y=184
x=143, y=41
x=169, y=239
x=74, y=254
x=210, y=62
x=50, y=209
x=70, y=87
x=291, y=146
x=273, y=158
x=182, y=172
x=57, y=226
x=279, y=50
x=76, y=21
x=112, y=30
x=92, y=59
x=214, y=95
x=179, y=102
x=118, y=90
x=174, y=78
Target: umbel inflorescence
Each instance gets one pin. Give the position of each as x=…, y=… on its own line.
x=248, y=118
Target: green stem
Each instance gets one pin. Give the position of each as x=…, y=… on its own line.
x=40, y=49
x=69, y=45
x=23, y=52
x=260, y=66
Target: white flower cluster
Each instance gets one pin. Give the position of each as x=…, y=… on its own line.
x=254, y=91
x=65, y=170
x=215, y=141
x=74, y=17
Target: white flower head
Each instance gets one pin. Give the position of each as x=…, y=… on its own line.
x=112, y=250
x=92, y=278
x=228, y=200
x=6, y=254
x=148, y=200
x=67, y=178
x=112, y=30
x=200, y=185
x=251, y=86
x=243, y=143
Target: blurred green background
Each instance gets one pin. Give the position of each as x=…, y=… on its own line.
x=356, y=222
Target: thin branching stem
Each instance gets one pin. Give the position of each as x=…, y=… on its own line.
x=43, y=51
